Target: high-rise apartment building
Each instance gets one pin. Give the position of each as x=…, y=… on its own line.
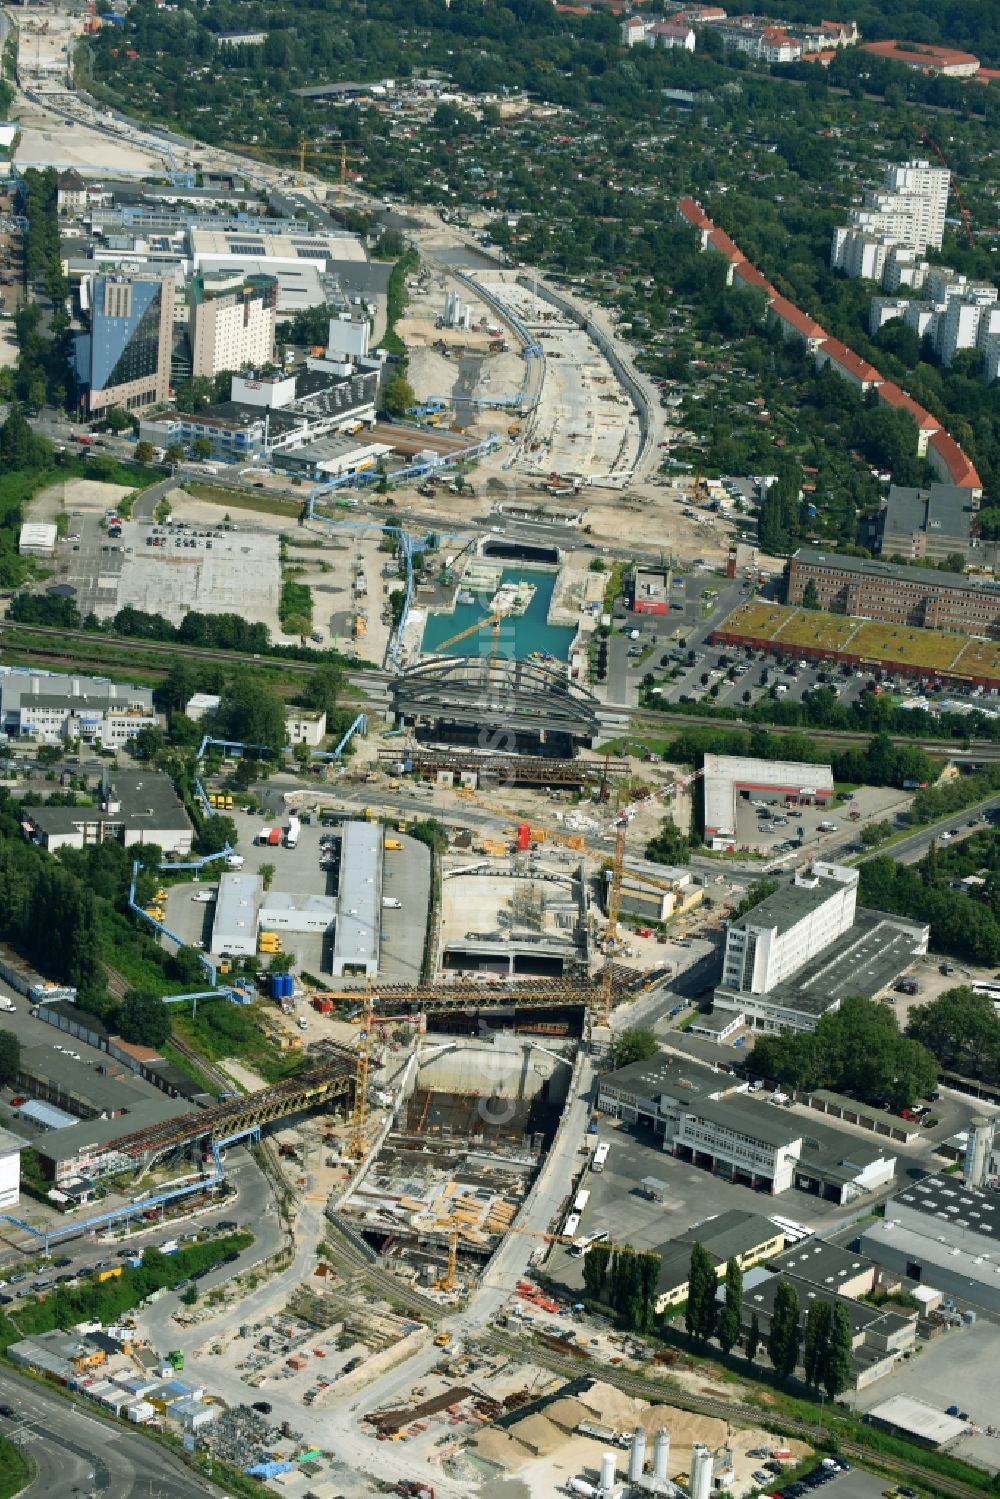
x=125, y=358
x=232, y=321
x=907, y=212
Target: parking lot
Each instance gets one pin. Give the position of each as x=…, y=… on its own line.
x=618, y=1205
x=958, y=1368
x=697, y=601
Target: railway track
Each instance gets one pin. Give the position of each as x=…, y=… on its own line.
x=394, y=1289
x=706, y=1405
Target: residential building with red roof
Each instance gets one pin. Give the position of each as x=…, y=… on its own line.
x=695, y=216
x=953, y=466
x=719, y=241
x=847, y=364
x=925, y=58
x=794, y=323
x=891, y=394
x=746, y=275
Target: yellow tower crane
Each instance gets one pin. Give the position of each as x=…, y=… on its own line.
x=305, y=149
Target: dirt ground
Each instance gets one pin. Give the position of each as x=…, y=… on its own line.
x=87, y=495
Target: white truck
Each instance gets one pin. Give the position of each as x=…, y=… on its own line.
x=7, y=1005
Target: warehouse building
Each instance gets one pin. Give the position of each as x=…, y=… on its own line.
x=37, y=539
x=52, y=707
x=359, y=905
x=88, y=1147
x=135, y=807
x=799, y=953
x=942, y=1233
x=650, y=1094
x=900, y=595
x=728, y=778
x=906, y=1416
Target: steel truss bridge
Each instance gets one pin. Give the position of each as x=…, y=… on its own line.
x=511, y=770
x=239, y=1115
x=471, y=995
x=534, y=698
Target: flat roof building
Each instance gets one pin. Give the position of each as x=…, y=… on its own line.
x=135, y=807
x=359, y=904
x=37, y=539
x=729, y=777
x=747, y=1238
x=51, y=706
x=942, y=1233
x=10, y=1167
x=779, y=936
x=933, y=522
x=237, y=916
x=918, y=1421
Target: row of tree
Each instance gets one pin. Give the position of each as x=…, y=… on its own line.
x=962, y=926
x=857, y=1048
x=624, y=1279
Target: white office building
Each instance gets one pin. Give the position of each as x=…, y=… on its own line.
x=802, y=951
x=52, y=708
x=10, y=1168
x=773, y=941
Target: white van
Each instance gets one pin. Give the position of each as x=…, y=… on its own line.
x=391, y=903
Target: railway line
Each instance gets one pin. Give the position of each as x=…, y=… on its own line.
x=658, y=1391
x=369, y=681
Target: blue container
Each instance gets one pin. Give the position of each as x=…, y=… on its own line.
x=276, y=985
x=287, y=986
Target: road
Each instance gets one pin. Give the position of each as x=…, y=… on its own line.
x=75, y=1452
x=962, y=825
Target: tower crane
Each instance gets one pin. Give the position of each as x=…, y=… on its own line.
x=963, y=212
x=306, y=148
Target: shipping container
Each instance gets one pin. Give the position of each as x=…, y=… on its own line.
x=274, y=837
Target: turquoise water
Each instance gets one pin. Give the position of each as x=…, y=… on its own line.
x=520, y=634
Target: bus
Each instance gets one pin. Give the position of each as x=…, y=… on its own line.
x=991, y=990
x=579, y=1249
x=571, y=1225
x=582, y=1198
x=600, y=1156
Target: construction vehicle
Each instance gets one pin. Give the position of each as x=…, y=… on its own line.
x=176, y=1358
x=442, y=1340
x=393, y=843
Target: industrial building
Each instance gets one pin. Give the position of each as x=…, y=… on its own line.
x=134, y=807
x=331, y=458
x=513, y=919
x=37, y=539
x=934, y=523
x=915, y=596
x=124, y=360
x=799, y=953
x=10, y=1168
x=243, y=909
x=651, y=902
x=944, y=1233
x=708, y=1119
x=52, y=707
x=728, y=778
x=917, y=1421
x=879, y=1337
x=359, y=903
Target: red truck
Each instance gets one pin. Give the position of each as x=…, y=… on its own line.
x=274, y=838
x=84, y=439
x=323, y=1006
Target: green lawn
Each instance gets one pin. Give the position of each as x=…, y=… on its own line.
x=15, y=1469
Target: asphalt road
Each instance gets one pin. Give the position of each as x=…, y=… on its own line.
x=908, y=850
x=77, y=1453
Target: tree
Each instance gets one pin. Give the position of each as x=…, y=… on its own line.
x=217, y=833
x=117, y=420
x=753, y=1338
x=10, y=1056
x=143, y=1018
x=267, y=873
x=595, y=1270
x=838, y=1365
x=699, y=1314
x=783, y=1336
x=175, y=453
x=323, y=687
x=399, y=396
x=961, y=1028
x=669, y=845
x=730, y=1323
x=635, y=1044
x=810, y=595
x=251, y=713
x=876, y=832
x=201, y=448
x=144, y=452
x=816, y=1342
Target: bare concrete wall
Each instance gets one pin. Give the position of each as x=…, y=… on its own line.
x=504, y=1067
